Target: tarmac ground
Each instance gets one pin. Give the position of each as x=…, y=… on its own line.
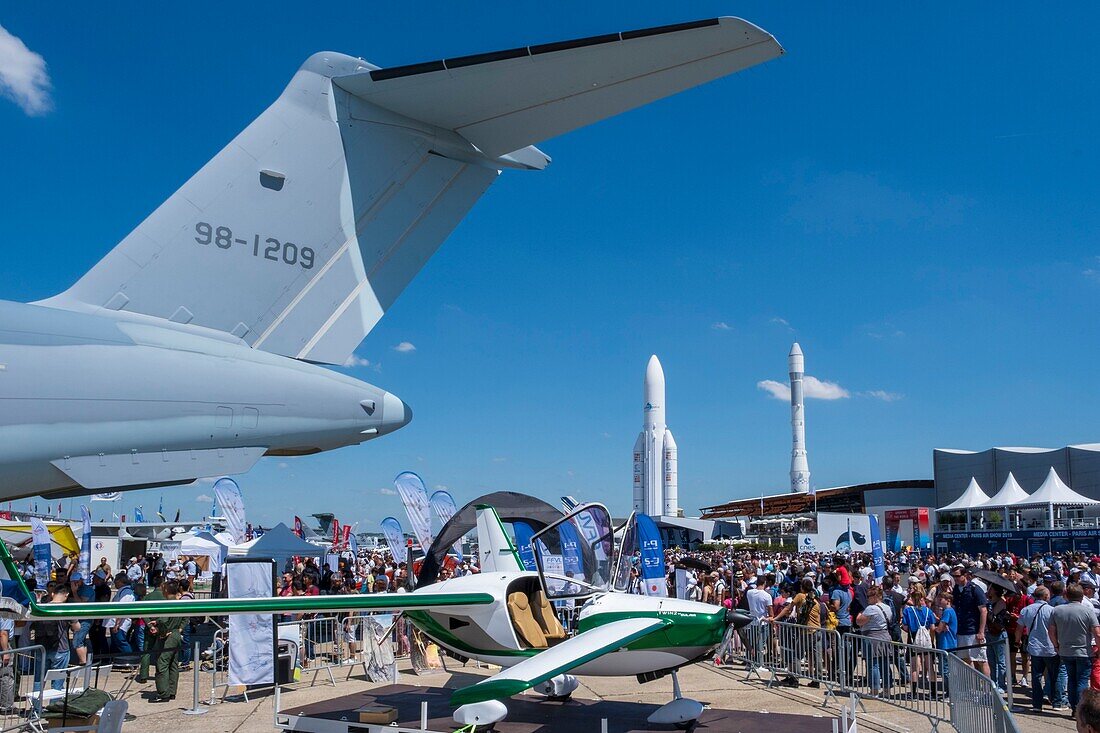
x=725, y=687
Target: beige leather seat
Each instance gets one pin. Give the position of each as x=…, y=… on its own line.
x=548, y=620
x=527, y=629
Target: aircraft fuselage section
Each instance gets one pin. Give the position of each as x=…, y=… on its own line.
x=94, y=395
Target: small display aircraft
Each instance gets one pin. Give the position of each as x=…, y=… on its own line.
x=506, y=614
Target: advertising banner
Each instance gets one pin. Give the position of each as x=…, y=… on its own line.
x=395, y=538
x=572, y=560
x=443, y=504
x=252, y=653
x=415, y=498
x=40, y=536
x=85, y=564
x=524, y=532
x=907, y=528
x=653, y=556
x=228, y=496
x=335, y=533
x=838, y=533
x=877, y=554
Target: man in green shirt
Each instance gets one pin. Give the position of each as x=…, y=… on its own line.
x=168, y=633
x=149, y=647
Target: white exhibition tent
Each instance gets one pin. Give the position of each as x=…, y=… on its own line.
x=206, y=545
x=972, y=498
x=1010, y=494
x=1054, y=492
x=277, y=543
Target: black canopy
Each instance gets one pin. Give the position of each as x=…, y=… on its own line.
x=510, y=505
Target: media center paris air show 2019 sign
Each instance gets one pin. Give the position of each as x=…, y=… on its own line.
x=1022, y=542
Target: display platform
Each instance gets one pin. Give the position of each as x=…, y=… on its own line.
x=526, y=714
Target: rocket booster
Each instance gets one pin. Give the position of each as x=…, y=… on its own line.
x=655, y=459
x=800, y=467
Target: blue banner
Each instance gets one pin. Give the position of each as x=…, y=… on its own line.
x=877, y=553
x=524, y=532
x=572, y=560
x=138, y=515
x=653, y=556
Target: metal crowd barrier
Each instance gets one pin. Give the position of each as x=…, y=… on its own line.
x=975, y=703
x=25, y=667
x=319, y=645
x=903, y=675
x=929, y=682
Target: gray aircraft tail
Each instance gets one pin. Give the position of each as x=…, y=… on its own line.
x=300, y=234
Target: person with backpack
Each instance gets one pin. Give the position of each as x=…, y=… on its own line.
x=918, y=621
x=53, y=636
x=896, y=601
x=808, y=610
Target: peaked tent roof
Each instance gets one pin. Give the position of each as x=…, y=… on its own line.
x=1055, y=491
x=278, y=543
x=1010, y=494
x=972, y=498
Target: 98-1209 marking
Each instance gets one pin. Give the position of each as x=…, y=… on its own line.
x=274, y=250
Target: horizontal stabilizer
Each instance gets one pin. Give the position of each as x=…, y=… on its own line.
x=507, y=100
x=558, y=659
x=134, y=470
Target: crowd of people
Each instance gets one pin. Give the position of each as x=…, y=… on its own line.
x=1032, y=625
x=161, y=643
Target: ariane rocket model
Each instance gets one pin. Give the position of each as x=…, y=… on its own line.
x=655, y=491
x=800, y=466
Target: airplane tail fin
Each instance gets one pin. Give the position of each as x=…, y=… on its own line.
x=300, y=234
x=496, y=553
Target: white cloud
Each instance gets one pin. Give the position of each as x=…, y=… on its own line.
x=812, y=389
x=387, y=491
x=721, y=326
x=881, y=394
x=204, y=499
x=356, y=361
x=283, y=465
x=23, y=76
x=499, y=459
x=404, y=347
x=605, y=434
x=781, y=322
x=441, y=487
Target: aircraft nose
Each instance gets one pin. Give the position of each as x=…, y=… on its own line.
x=395, y=414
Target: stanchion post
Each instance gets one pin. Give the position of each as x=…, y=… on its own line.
x=423, y=715
x=603, y=725
x=196, y=666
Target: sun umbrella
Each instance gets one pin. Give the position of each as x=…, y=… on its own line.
x=998, y=580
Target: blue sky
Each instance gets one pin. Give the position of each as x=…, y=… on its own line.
x=910, y=193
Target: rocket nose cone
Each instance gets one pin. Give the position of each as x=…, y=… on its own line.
x=796, y=350
x=653, y=370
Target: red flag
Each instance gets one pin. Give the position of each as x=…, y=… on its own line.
x=298, y=527
x=335, y=532
x=347, y=534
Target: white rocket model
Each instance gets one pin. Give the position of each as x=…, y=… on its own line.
x=800, y=466
x=655, y=491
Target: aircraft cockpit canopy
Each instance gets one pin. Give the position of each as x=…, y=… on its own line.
x=574, y=555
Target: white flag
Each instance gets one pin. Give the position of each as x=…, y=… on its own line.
x=228, y=494
x=415, y=498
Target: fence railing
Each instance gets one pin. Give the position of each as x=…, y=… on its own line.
x=323, y=645
x=929, y=682
x=21, y=673
x=975, y=703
